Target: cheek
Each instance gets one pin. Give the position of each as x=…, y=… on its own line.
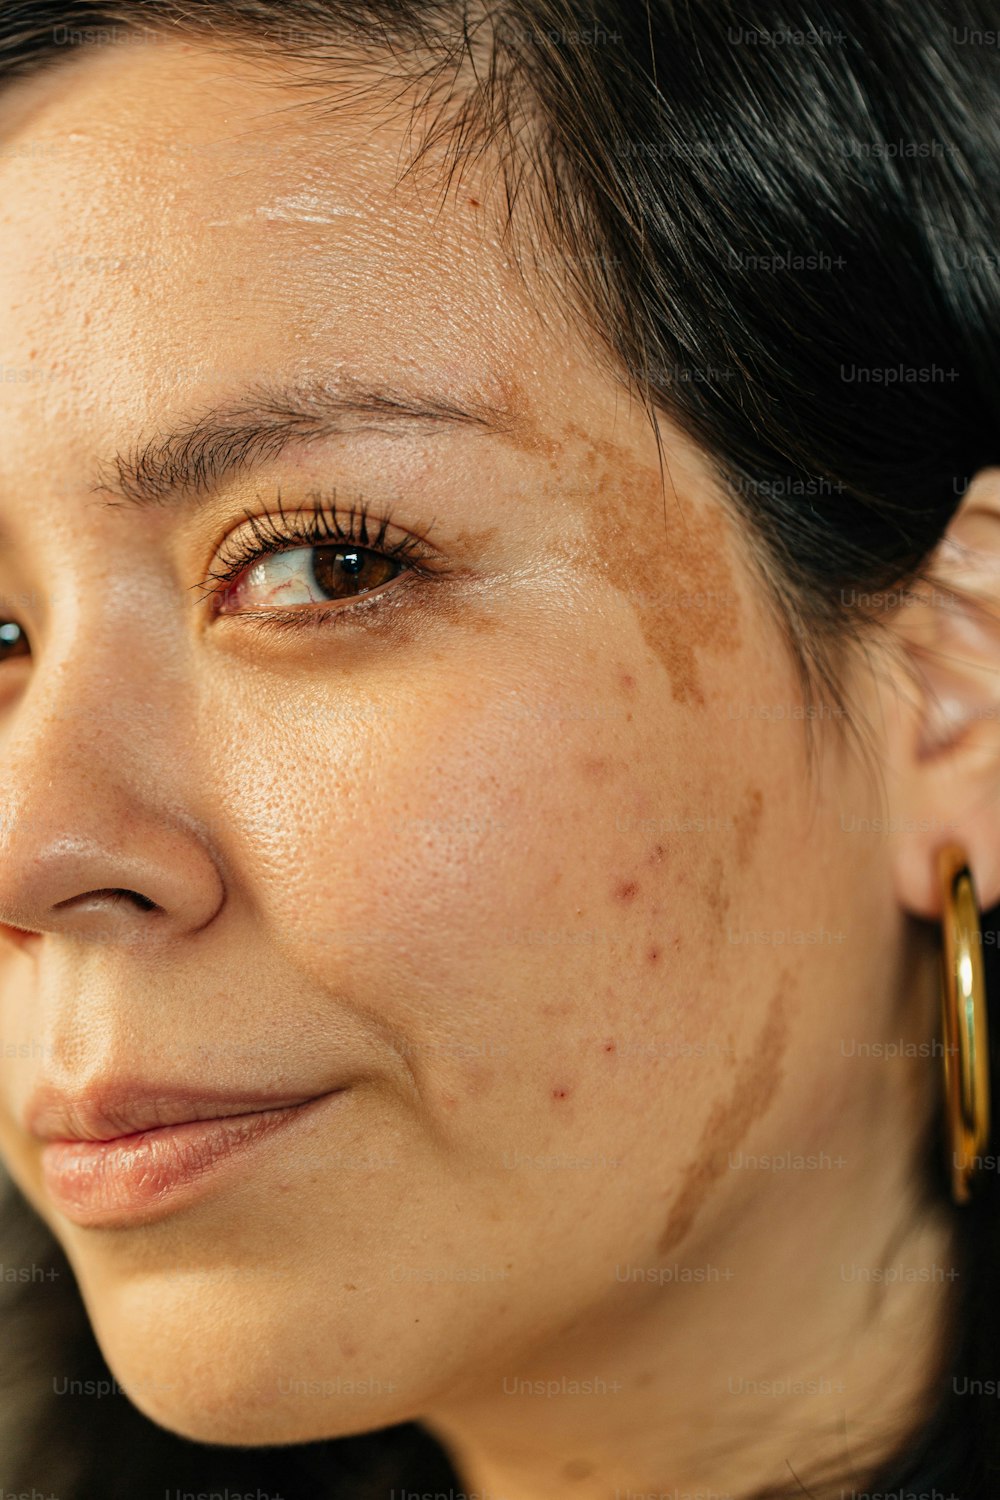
x=485, y=864
x=519, y=871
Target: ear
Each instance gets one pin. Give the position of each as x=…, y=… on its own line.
x=946, y=728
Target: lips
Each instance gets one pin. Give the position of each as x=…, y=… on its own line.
x=120, y=1109
x=129, y=1181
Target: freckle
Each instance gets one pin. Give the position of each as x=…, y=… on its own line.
x=577, y=1468
x=656, y=856
x=609, y=1046
x=643, y=1380
x=627, y=891
x=349, y=1286
x=473, y=202
x=758, y=1078
x=595, y=767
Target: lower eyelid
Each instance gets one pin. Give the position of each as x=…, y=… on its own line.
x=371, y=610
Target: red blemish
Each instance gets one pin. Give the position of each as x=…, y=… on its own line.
x=653, y=955
x=657, y=855
x=560, y=1093
x=627, y=681
x=627, y=891
x=609, y=1046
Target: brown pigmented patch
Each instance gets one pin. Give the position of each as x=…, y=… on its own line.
x=656, y=855
x=748, y=825
x=715, y=890
x=596, y=767
x=757, y=1080
x=676, y=578
x=479, y=1079
x=627, y=890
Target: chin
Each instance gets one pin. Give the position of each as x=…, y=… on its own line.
x=242, y=1372
x=240, y=1420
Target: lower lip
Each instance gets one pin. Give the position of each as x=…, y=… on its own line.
x=138, y=1178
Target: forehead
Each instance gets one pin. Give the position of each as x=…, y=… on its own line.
x=175, y=222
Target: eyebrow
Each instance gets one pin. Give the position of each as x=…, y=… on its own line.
x=237, y=435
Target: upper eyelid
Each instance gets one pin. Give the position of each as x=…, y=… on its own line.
x=306, y=527
x=320, y=502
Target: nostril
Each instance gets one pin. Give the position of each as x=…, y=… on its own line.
x=117, y=894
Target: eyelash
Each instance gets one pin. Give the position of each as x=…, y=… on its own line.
x=320, y=526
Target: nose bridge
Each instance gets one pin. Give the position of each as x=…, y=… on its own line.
x=94, y=795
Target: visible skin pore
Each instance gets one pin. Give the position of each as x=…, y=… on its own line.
x=498, y=851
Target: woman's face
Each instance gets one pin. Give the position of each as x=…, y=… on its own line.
x=521, y=858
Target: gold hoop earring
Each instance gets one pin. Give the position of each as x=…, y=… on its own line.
x=964, y=1022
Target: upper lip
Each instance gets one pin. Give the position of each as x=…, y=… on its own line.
x=107, y=1112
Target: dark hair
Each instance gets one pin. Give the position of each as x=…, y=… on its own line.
x=674, y=155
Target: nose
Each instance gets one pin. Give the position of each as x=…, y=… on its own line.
x=98, y=835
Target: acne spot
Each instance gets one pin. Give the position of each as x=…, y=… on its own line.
x=561, y=1093
x=748, y=825
x=656, y=855
x=626, y=890
x=610, y=1046
x=758, y=1077
x=653, y=956
x=628, y=682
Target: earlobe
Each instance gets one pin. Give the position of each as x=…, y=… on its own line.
x=948, y=757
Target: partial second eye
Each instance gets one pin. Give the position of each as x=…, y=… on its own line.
x=309, y=575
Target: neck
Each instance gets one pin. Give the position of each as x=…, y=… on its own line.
x=804, y=1343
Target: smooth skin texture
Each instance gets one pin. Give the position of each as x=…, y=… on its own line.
x=521, y=857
